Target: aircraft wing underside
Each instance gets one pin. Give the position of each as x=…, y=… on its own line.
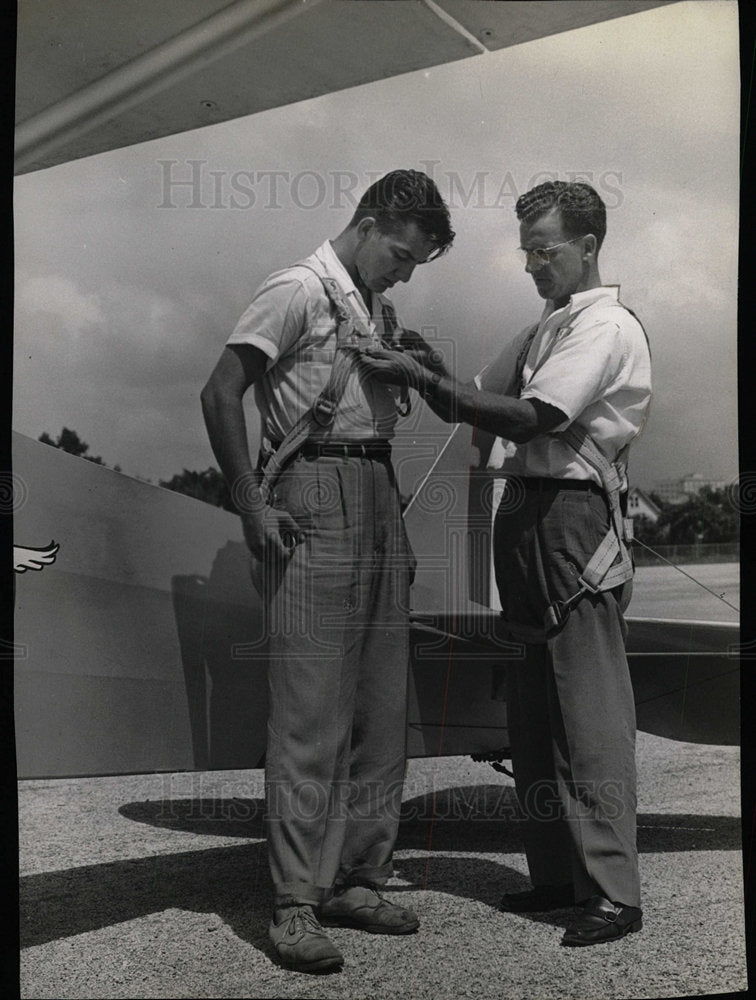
x=94, y=75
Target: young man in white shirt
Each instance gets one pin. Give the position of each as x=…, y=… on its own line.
x=331, y=556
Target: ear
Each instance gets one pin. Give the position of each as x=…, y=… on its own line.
x=365, y=227
x=590, y=246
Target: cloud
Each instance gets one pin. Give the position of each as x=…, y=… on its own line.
x=124, y=308
x=75, y=311
x=122, y=367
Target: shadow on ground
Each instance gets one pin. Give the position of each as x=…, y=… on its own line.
x=231, y=882
x=234, y=882
x=472, y=818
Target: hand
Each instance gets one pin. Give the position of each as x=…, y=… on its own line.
x=430, y=359
x=410, y=342
x=271, y=534
x=396, y=367
x=379, y=369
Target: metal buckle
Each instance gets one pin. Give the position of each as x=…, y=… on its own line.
x=588, y=586
x=554, y=615
x=324, y=410
x=404, y=406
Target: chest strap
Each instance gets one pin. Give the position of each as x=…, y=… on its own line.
x=350, y=332
x=323, y=411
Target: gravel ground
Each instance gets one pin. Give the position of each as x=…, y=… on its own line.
x=157, y=886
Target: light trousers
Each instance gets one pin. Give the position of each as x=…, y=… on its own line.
x=339, y=654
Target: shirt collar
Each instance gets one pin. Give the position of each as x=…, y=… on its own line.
x=580, y=300
x=327, y=256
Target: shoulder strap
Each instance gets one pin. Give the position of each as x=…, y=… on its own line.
x=390, y=326
x=349, y=332
x=349, y=326
x=637, y=320
x=611, y=564
x=565, y=331
x=522, y=357
x=390, y=322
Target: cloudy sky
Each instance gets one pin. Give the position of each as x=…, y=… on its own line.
x=128, y=283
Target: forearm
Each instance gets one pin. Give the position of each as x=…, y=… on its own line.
x=515, y=419
x=505, y=416
x=227, y=431
x=443, y=407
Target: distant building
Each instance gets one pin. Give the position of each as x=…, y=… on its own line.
x=639, y=504
x=679, y=490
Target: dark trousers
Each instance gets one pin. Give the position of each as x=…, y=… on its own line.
x=339, y=654
x=570, y=702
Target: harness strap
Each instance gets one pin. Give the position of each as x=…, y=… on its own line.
x=604, y=570
x=391, y=323
x=349, y=332
x=323, y=410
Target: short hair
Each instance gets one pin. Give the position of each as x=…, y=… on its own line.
x=405, y=196
x=581, y=208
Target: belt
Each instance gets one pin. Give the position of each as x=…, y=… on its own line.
x=544, y=483
x=347, y=449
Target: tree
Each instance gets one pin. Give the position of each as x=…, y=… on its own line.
x=651, y=532
x=70, y=442
x=208, y=486
x=707, y=516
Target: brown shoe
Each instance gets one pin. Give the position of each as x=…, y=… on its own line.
x=363, y=907
x=600, y=920
x=300, y=941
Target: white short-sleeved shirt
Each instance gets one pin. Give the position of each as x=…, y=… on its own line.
x=591, y=360
x=291, y=320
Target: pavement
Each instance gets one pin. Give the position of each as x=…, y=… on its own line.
x=157, y=886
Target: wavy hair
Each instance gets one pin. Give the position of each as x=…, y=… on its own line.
x=581, y=208
x=404, y=196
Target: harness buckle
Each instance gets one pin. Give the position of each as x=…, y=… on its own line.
x=324, y=410
x=584, y=585
x=558, y=611
x=555, y=615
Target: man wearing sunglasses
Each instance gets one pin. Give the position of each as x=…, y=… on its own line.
x=561, y=404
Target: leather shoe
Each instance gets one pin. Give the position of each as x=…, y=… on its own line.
x=363, y=907
x=539, y=899
x=300, y=942
x=600, y=920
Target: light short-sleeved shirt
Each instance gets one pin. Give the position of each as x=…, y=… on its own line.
x=591, y=360
x=292, y=321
